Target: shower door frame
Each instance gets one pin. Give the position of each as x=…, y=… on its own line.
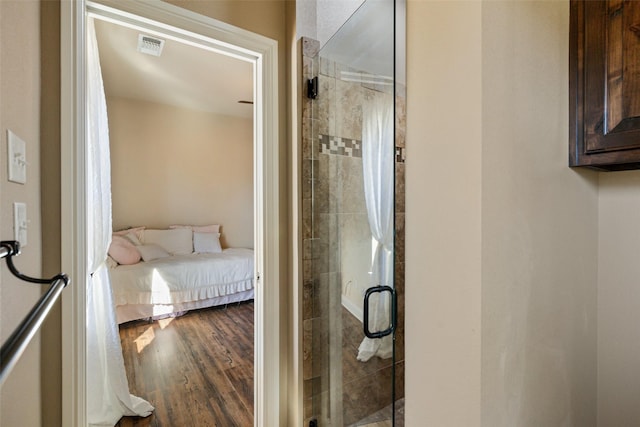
x=330, y=382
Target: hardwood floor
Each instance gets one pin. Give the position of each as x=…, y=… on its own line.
x=196, y=370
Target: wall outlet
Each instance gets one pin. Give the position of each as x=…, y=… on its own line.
x=20, y=223
x=17, y=158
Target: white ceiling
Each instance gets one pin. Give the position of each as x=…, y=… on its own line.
x=184, y=75
x=366, y=40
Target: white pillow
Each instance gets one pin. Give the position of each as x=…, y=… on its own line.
x=206, y=243
x=137, y=231
x=177, y=241
x=133, y=238
x=152, y=251
x=213, y=228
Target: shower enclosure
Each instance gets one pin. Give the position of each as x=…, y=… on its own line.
x=353, y=221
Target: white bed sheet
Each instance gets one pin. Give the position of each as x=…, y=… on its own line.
x=184, y=278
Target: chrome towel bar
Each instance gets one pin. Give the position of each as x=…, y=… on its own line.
x=15, y=345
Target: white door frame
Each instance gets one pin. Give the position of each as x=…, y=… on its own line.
x=219, y=36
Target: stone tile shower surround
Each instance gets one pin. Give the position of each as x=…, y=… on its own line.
x=335, y=236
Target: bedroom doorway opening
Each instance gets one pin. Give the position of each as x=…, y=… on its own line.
x=180, y=121
x=173, y=23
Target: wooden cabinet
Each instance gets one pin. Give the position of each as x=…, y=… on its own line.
x=604, y=84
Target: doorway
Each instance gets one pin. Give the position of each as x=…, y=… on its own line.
x=216, y=36
x=181, y=150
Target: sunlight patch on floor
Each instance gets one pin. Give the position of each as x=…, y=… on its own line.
x=163, y=323
x=144, y=339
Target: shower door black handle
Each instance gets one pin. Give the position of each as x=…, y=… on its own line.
x=392, y=312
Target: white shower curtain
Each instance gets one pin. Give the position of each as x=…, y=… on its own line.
x=108, y=397
x=378, y=170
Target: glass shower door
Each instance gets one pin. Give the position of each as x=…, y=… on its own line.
x=350, y=152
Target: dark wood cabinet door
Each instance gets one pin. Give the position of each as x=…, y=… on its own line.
x=604, y=84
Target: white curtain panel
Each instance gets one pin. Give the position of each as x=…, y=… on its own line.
x=378, y=170
x=108, y=397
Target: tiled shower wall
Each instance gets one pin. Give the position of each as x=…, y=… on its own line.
x=337, y=248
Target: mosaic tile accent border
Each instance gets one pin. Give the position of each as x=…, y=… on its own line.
x=350, y=147
x=340, y=146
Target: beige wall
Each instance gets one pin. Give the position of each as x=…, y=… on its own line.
x=443, y=208
x=171, y=165
x=20, y=402
x=539, y=222
x=530, y=265
x=619, y=299
x=51, y=336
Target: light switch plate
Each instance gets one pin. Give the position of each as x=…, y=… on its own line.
x=17, y=158
x=20, y=223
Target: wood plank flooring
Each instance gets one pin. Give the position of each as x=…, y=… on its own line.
x=196, y=370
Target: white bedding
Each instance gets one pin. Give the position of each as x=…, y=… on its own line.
x=181, y=279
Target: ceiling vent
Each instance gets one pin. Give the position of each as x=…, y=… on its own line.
x=150, y=45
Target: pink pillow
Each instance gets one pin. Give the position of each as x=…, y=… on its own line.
x=123, y=251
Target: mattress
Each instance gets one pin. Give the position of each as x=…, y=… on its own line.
x=183, y=279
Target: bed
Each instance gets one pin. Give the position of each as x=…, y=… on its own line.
x=183, y=277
